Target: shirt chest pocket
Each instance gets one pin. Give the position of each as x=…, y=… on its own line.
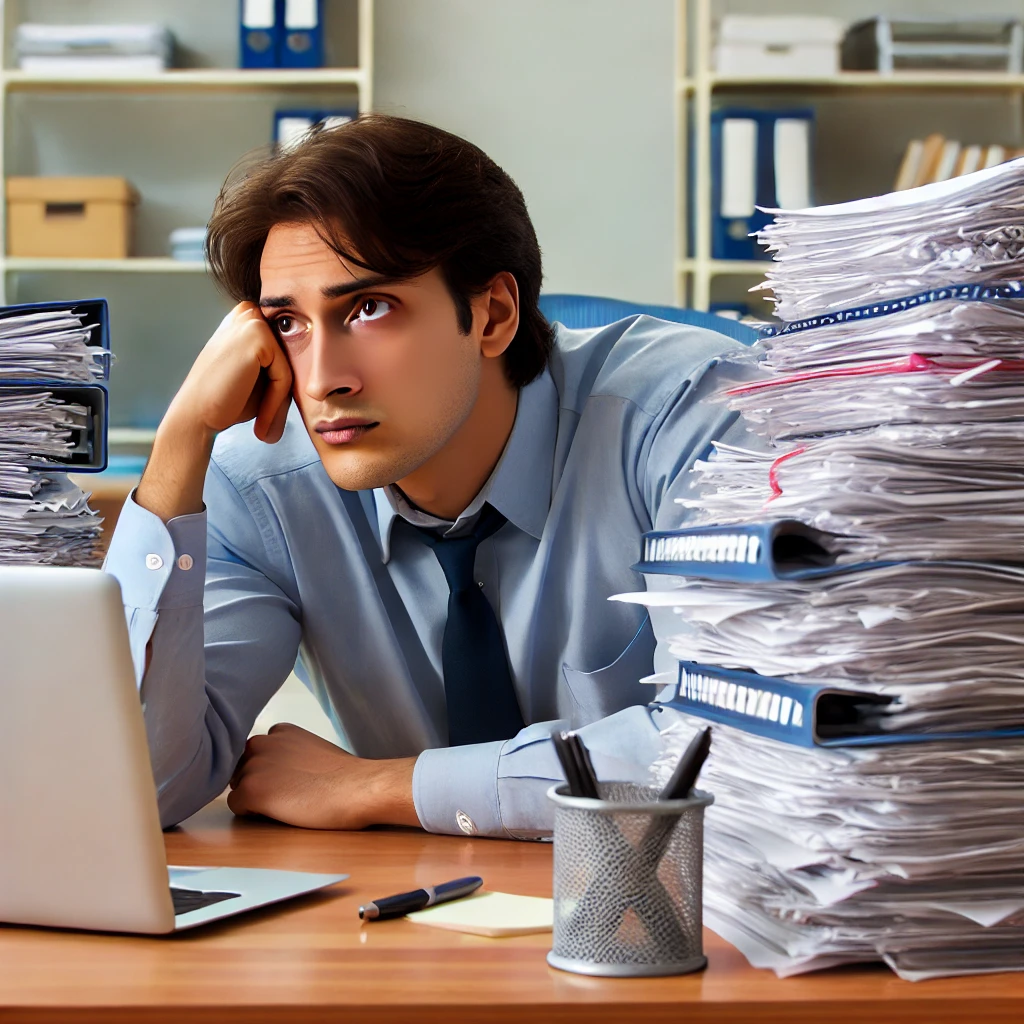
x=589, y=696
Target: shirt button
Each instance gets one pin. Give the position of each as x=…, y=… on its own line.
x=154, y=562
x=185, y=562
x=465, y=823
x=480, y=584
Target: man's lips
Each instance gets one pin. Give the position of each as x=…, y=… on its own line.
x=344, y=431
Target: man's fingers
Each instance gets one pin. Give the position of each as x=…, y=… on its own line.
x=243, y=762
x=273, y=411
x=238, y=804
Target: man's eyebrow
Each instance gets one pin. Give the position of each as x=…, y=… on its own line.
x=336, y=291
x=333, y=291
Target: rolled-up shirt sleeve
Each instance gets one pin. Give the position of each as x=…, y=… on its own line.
x=219, y=632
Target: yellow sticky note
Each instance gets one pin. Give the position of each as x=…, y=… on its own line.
x=494, y=914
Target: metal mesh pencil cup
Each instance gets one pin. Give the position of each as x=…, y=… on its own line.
x=628, y=876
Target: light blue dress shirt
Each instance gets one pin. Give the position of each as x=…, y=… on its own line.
x=285, y=569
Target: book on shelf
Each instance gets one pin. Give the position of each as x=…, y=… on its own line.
x=937, y=158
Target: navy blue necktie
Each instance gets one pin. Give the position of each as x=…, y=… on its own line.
x=478, y=688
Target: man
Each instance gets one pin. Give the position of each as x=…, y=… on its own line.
x=434, y=526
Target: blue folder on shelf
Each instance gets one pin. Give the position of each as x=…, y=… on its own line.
x=759, y=158
x=804, y=714
x=301, y=39
x=259, y=33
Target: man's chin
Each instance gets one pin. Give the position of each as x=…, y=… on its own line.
x=352, y=471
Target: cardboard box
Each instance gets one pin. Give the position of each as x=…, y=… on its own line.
x=794, y=46
x=84, y=218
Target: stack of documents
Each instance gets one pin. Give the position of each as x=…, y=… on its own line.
x=50, y=344
x=908, y=853
x=44, y=518
x=961, y=231
x=94, y=49
x=848, y=606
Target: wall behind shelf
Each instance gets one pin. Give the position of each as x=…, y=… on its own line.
x=574, y=99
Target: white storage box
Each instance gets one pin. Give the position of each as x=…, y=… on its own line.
x=783, y=45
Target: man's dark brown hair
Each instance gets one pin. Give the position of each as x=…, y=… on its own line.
x=398, y=198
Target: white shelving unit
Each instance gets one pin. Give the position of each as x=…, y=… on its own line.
x=919, y=97
x=175, y=136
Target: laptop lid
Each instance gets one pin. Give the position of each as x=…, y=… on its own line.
x=80, y=844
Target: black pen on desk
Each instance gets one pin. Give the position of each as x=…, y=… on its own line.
x=690, y=764
x=419, y=899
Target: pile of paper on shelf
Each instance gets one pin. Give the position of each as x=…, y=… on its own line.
x=888, y=413
x=44, y=518
x=94, y=49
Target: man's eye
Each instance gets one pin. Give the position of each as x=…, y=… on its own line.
x=373, y=309
x=289, y=327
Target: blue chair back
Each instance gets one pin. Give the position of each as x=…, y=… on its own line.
x=585, y=311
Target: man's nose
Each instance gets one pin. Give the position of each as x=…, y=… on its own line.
x=330, y=368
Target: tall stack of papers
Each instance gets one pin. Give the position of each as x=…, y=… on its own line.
x=94, y=49
x=45, y=424
x=849, y=606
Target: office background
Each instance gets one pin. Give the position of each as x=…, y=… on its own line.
x=599, y=109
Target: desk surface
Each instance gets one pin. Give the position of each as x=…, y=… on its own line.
x=312, y=960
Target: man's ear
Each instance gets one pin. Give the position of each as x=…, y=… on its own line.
x=498, y=309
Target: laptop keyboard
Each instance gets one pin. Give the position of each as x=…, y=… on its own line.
x=187, y=900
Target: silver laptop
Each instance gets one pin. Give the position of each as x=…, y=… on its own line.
x=80, y=839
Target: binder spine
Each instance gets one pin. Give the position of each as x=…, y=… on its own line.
x=774, y=708
x=762, y=552
x=754, y=172
x=800, y=714
x=301, y=40
x=258, y=33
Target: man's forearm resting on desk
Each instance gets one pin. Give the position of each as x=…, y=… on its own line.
x=298, y=778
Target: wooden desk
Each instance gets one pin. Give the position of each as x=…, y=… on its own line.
x=313, y=960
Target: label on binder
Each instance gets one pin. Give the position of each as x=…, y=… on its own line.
x=783, y=549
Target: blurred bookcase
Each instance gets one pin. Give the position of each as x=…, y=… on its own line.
x=864, y=121
x=174, y=136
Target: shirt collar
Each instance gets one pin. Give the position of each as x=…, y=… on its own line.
x=520, y=485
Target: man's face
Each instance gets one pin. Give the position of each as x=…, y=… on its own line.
x=382, y=375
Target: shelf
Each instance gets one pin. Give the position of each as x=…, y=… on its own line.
x=873, y=80
x=124, y=437
x=685, y=85
x=136, y=265
x=733, y=267
x=205, y=78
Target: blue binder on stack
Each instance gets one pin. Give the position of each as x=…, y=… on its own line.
x=88, y=454
x=806, y=714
